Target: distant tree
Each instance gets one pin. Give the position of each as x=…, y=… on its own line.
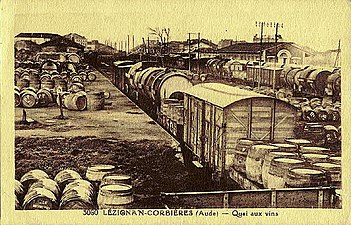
x=162, y=35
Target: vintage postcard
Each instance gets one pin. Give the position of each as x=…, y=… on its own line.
x=176, y=112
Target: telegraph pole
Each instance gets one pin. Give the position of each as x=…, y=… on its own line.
x=198, y=53
x=260, y=69
x=276, y=25
x=198, y=47
x=189, y=51
x=128, y=43
x=337, y=58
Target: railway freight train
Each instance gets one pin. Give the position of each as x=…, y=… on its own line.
x=221, y=128
x=300, y=80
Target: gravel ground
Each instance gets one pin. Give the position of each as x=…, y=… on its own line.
x=153, y=166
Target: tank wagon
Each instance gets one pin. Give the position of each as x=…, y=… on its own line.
x=300, y=80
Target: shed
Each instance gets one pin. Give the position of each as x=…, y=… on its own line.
x=216, y=116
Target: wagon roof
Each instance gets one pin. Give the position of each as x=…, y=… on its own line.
x=220, y=94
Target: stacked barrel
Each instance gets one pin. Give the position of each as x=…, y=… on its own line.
x=102, y=188
x=315, y=110
x=294, y=163
x=54, y=82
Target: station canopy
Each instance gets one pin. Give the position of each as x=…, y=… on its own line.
x=220, y=94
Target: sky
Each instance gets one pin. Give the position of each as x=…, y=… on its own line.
x=317, y=24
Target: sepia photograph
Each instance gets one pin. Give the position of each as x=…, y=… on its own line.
x=172, y=110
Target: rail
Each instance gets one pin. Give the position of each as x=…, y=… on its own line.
x=317, y=197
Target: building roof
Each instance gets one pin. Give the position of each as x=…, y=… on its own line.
x=37, y=35
x=221, y=95
x=75, y=35
x=62, y=41
x=248, y=47
x=254, y=47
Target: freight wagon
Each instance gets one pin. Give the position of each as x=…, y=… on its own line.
x=224, y=130
x=216, y=116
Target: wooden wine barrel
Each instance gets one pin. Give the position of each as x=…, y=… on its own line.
x=91, y=76
x=32, y=176
x=308, y=114
x=77, y=196
x=278, y=171
x=81, y=184
x=17, y=203
x=203, y=77
x=333, y=172
x=322, y=114
x=22, y=83
x=29, y=98
x=339, y=133
x=240, y=153
x=116, y=179
x=306, y=176
x=97, y=172
x=19, y=190
x=83, y=75
x=34, y=80
x=267, y=163
x=336, y=160
x=254, y=161
x=39, y=199
x=76, y=87
x=315, y=102
x=45, y=97
x=314, y=150
x=115, y=196
x=64, y=75
x=25, y=75
x=45, y=76
x=298, y=142
x=333, y=114
x=48, y=184
x=66, y=176
x=63, y=96
x=313, y=157
x=48, y=84
x=17, y=98
x=77, y=78
x=96, y=100
x=76, y=101
x=284, y=147
x=331, y=134
x=60, y=85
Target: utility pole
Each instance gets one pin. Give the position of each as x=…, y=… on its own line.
x=128, y=43
x=133, y=42
x=277, y=25
x=189, y=52
x=148, y=44
x=260, y=68
x=198, y=53
x=337, y=58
